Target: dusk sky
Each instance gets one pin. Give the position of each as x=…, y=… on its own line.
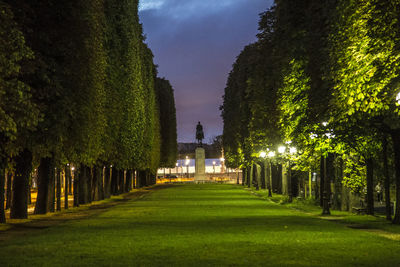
x=195, y=43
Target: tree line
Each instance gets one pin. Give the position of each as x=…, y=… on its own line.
x=323, y=77
x=78, y=87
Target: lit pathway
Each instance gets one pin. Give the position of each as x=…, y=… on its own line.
x=199, y=225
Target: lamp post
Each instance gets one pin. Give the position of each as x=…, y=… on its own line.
x=292, y=151
x=327, y=183
x=214, y=165
x=270, y=155
x=263, y=155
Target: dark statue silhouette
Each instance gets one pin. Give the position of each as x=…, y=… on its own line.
x=199, y=134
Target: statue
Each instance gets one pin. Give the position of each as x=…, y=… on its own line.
x=199, y=134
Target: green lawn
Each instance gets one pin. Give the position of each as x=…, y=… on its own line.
x=198, y=225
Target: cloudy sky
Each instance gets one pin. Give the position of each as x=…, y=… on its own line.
x=195, y=43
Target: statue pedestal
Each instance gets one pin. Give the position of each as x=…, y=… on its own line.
x=200, y=167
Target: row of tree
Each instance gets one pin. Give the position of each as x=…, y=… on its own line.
x=323, y=77
x=78, y=85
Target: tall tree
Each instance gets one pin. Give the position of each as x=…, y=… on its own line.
x=18, y=114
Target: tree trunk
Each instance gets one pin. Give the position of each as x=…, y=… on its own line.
x=2, y=184
x=396, y=147
x=386, y=179
x=10, y=177
x=23, y=168
x=66, y=185
x=321, y=181
x=337, y=195
x=250, y=176
x=90, y=177
x=135, y=175
x=263, y=175
x=370, y=186
x=94, y=192
x=100, y=180
x=269, y=171
x=58, y=183
x=44, y=173
x=140, y=177
x=76, y=187
x=30, y=190
x=128, y=181
x=84, y=185
x=121, y=181
x=97, y=183
x=326, y=189
x=51, y=188
x=114, y=181
x=285, y=184
x=107, y=182
x=70, y=182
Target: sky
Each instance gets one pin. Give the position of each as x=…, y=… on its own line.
x=195, y=43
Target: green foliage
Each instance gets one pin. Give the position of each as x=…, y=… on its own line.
x=166, y=103
x=328, y=74
x=92, y=80
x=18, y=113
x=354, y=173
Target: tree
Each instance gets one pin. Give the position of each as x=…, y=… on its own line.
x=166, y=103
x=18, y=114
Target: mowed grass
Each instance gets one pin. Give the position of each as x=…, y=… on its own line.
x=200, y=225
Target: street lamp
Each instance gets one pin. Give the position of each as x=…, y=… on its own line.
x=281, y=149
x=327, y=186
x=292, y=151
x=270, y=155
x=214, y=165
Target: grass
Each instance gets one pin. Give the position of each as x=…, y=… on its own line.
x=200, y=225
x=311, y=207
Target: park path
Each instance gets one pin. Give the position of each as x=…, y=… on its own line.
x=199, y=225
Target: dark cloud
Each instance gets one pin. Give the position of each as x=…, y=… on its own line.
x=195, y=43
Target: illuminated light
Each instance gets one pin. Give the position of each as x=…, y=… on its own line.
x=313, y=135
x=281, y=149
x=325, y=124
x=288, y=142
x=292, y=150
x=73, y=168
x=110, y=166
x=222, y=159
x=214, y=162
x=263, y=154
x=330, y=135
x=271, y=154
x=398, y=98
x=176, y=164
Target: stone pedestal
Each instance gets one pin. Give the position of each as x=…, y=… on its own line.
x=200, y=167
